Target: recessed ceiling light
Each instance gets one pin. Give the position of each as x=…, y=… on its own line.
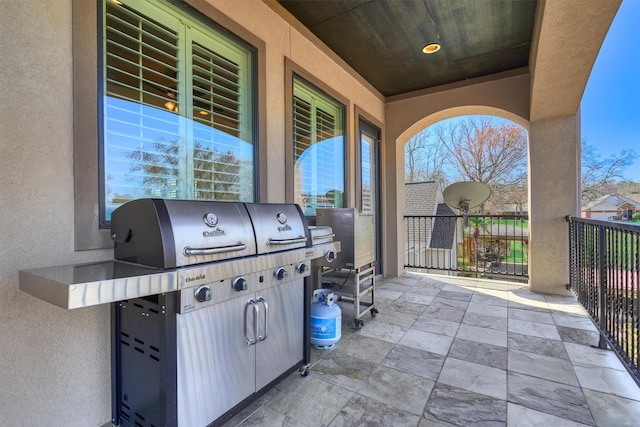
x=431, y=48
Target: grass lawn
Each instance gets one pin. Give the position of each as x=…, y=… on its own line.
x=516, y=253
x=512, y=222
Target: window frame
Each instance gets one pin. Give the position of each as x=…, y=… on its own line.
x=375, y=129
x=190, y=29
x=295, y=72
x=87, y=125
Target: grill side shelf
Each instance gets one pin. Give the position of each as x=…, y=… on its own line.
x=84, y=285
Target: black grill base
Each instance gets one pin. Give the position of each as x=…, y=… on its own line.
x=143, y=361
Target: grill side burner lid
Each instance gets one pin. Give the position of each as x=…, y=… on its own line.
x=174, y=233
x=321, y=234
x=278, y=226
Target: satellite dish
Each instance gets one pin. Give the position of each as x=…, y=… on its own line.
x=465, y=195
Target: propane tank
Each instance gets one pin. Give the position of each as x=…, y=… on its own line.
x=326, y=320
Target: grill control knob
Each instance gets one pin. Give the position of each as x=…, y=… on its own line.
x=280, y=273
x=203, y=293
x=239, y=284
x=302, y=267
x=330, y=256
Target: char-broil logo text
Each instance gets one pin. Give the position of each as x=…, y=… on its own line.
x=193, y=279
x=212, y=233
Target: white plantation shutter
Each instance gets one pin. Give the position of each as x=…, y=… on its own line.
x=326, y=128
x=318, y=145
x=177, y=108
x=216, y=90
x=302, y=140
x=367, y=177
x=220, y=114
x=141, y=56
x=302, y=126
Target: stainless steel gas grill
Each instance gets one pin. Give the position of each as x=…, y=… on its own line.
x=218, y=313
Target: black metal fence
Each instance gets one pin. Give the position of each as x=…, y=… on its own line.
x=475, y=245
x=604, y=276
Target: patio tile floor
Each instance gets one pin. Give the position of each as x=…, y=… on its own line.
x=450, y=351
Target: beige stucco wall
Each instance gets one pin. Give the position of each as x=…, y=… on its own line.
x=54, y=363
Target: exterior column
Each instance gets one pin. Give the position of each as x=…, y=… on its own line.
x=393, y=205
x=554, y=177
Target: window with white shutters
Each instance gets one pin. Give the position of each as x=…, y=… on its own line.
x=177, y=108
x=319, y=147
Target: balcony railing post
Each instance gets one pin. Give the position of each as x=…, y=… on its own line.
x=602, y=285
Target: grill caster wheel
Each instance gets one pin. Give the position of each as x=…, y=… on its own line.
x=374, y=311
x=304, y=371
x=359, y=323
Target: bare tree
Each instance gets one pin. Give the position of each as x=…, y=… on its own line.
x=215, y=173
x=514, y=195
x=600, y=176
x=482, y=152
x=627, y=187
x=424, y=159
x=413, y=154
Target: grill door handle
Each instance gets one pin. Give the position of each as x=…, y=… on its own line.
x=251, y=303
x=266, y=319
x=287, y=241
x=189, y=251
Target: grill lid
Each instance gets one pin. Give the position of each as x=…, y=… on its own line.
x=173, y=233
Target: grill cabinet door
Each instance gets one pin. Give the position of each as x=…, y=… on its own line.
x=283, y=347
x=215, y=364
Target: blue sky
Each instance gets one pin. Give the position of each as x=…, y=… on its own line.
x=611, y=101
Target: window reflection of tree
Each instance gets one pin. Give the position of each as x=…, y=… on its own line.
x=215, y=173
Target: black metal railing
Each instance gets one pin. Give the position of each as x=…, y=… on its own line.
x=476, y=245
x=604, y=275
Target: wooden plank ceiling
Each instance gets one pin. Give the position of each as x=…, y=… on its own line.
x=383, y=40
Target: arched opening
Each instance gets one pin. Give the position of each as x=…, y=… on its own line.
x=486, y=157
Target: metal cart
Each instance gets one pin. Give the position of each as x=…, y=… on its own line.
x=352, y=285
x=351, y=275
